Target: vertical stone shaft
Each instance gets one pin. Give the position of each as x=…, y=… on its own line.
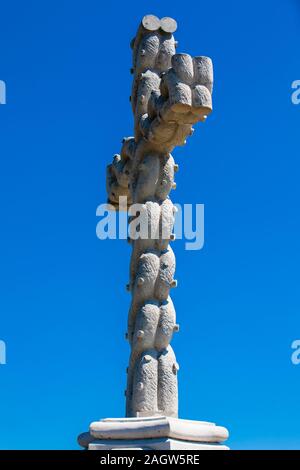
x=170, y=93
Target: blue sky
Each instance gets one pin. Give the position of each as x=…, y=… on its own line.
x=63, y=301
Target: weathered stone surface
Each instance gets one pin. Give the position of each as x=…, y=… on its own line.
x=170, y=93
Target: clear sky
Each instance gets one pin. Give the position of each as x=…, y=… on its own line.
x=63, y=301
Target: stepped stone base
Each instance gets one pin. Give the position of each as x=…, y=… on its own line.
x=153, y=433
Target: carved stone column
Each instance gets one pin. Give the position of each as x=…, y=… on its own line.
x=170, y=93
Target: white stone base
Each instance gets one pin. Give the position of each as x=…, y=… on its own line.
x=153, y=433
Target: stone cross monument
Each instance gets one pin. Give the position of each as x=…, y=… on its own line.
x=170, y=93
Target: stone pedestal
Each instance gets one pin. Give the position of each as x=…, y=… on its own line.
x=153, y=433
